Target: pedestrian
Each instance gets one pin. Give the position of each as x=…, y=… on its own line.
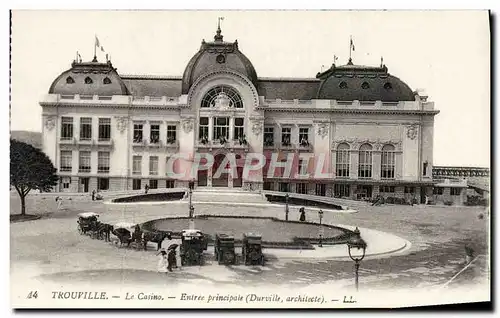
x=302, y=214
x=93, y=195
x=146, y=189
x=426, y=200
x=172, y=261
x=59, y=202
x=469, y=254
x=162, y=262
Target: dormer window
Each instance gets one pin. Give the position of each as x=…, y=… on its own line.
x=365, y=85
x=343, y=85
x=88, y=80
x=388, y=86
x=106, y=80
x=70, y=80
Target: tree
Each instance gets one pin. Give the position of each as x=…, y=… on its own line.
x=30, y=169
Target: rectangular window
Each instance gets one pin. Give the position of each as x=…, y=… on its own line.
x=85, y=128
x=102, y=183
x=203, y=129
x=66, y=160
x=221, y=127
x=153, y=184
x=302, y=168
x=137, y=165
x=409, y=189
x=269, y=186
x=437, y=191
x=84, y=161
x=387, y=189
x=286, y=136
x=455, y=191
x=301, y=188
x=136, y=184
x=284, y=187
x=304, y=136
x=153, y=165
x=171, y=134
x=269, y=136
x=103, y=161
x=238, y=128
x=65, y=181
x=66, y=128
x=170, y=184
x=104, y=129
x=341, y=190
x=154, y=133
x=320, y=189
x=138, y=138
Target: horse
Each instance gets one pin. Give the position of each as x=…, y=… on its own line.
x=103, y=231
x=123, y=235
x=156, y=237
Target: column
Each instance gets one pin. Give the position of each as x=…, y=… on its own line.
x=210, y=128
x=353, y=170
x=377, y=161
x=231, y=129
x=209, y=177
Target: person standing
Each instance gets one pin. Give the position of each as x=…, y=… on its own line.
x=302, y=214
x=172, y=261
x=59, y=202
x=93, y=195
x=162, y=262
x=146, y=189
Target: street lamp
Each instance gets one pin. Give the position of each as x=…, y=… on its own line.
x=356, y=242
x=191, y=208
x=286, y=206
x=320, y=213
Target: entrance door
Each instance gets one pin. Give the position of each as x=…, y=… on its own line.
x=83, y=185
x=422, y=195
x=238, y=182
x=222, y=180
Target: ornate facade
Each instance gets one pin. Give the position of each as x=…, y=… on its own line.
x=108, y=131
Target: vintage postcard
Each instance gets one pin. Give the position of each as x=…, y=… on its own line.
x=249, y=159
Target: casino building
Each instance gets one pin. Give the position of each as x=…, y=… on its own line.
x=108, y=131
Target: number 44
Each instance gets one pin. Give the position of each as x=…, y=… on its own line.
x=33, y=294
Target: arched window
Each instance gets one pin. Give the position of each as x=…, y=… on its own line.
x=222, y=97
x=88, y=80
x=106, y=80
x=343, y=161
x=365, y=85
x=343, y=85
x=388, y=162
x=365, y=161
x=70, y=80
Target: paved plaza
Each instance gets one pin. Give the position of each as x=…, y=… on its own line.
x=51, y=250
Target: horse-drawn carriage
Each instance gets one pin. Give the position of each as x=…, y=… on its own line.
x=192, y=246
x=252, y=249
x=224, y=249
x=87, y=222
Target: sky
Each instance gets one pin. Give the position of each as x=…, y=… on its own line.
x=446, y=54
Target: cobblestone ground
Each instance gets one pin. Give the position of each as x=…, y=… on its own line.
x=52, y=248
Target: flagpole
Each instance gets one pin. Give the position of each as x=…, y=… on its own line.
x=95, y=45
x=350, y=47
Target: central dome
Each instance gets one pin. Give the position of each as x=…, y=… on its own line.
x=215, y=56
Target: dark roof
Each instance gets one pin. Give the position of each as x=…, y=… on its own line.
x=214, y=56
x=89, y=78
x=288, y=89
x=364, y=83
x=153, y=85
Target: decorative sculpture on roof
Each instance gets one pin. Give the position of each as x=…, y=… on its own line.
x=222, y=101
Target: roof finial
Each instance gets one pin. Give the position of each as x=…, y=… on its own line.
x=218, y=37
x=351, y=49
x=381, y=61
